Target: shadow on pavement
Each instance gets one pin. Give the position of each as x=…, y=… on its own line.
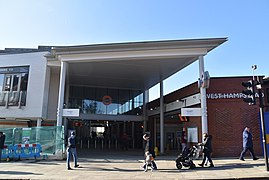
x=230, y=166
x=112, y=169
x=18, y=173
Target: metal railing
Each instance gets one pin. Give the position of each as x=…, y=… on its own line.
x=103, y=143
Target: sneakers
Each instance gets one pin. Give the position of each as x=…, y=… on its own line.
x=211, y=165
x=69, y=168
x=201, y=165
x=255, y=158
x=146, y=169
x=242, y=159
x=76, y=166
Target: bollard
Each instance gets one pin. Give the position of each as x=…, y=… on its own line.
x=156, y=150
x=88, y=144
x=81, y=145
x=102, y=143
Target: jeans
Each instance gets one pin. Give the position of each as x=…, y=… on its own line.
x=73, y=152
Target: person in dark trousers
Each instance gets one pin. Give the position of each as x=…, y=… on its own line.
x=207, y=150
x=247, y=145
x=149, y=147
x=125, y=141
x=71, y=150
x=2, y=143
x=183, y=140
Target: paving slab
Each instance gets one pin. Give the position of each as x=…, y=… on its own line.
x=128, y=166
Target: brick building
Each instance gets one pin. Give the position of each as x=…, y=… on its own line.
x=227, y=113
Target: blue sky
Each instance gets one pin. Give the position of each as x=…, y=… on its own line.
x=29, y=23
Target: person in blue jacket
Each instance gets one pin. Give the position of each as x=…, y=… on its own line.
x=71, y=150
x=247, y=145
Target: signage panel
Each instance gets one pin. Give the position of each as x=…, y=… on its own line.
x=191, y=111
x=71, y=112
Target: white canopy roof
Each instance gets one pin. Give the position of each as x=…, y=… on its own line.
x=135, y=65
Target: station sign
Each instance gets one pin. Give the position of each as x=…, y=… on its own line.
x=71, y=112
x=191, y=111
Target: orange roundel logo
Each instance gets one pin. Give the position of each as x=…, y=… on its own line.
x=107, y=100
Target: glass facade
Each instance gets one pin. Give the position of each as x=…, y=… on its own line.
x=106, y=101
x=13, y=85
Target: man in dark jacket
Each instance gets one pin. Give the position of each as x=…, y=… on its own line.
x=247, y=145
x=2, y=143
x=207, y=150
x=71, y=150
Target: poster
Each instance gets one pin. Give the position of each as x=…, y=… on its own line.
x=26, y=134
x=193, y=134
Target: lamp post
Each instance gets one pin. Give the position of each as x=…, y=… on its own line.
x=259, y=84
x=261, y=104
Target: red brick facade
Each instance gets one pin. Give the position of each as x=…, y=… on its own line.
x=228, y=115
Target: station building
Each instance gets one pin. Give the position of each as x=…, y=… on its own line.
x=106, y=86
x=228, y=115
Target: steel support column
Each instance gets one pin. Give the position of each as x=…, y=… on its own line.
x=61, y=94
x=145, y=116
x=161, y=119
x=203, y=97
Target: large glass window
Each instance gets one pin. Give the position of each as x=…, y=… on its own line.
x=106, y=101
x=13, y=85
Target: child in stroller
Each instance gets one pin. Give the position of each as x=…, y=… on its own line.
x=149, y=161
x=185, y=158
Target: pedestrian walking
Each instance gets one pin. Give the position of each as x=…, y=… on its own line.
x=149, y=148
x=183, y=140
x=207, y=150
x=247, y=145
x=2, y=143
x=125, y=141
x=149, y=160
x=71, y=150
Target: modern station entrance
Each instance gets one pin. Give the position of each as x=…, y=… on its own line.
x=110, y=83
x=110, y=118
x=108, y=135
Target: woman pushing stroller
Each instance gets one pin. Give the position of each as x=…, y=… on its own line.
x=207, y=150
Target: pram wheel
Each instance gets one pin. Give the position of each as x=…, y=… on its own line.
x=192, y=166
x=179, y=165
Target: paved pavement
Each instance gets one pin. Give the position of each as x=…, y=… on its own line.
x=127, y=165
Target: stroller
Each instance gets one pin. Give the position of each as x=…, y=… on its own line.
x=185, y=158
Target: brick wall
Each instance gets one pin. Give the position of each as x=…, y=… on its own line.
x=227, y=116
